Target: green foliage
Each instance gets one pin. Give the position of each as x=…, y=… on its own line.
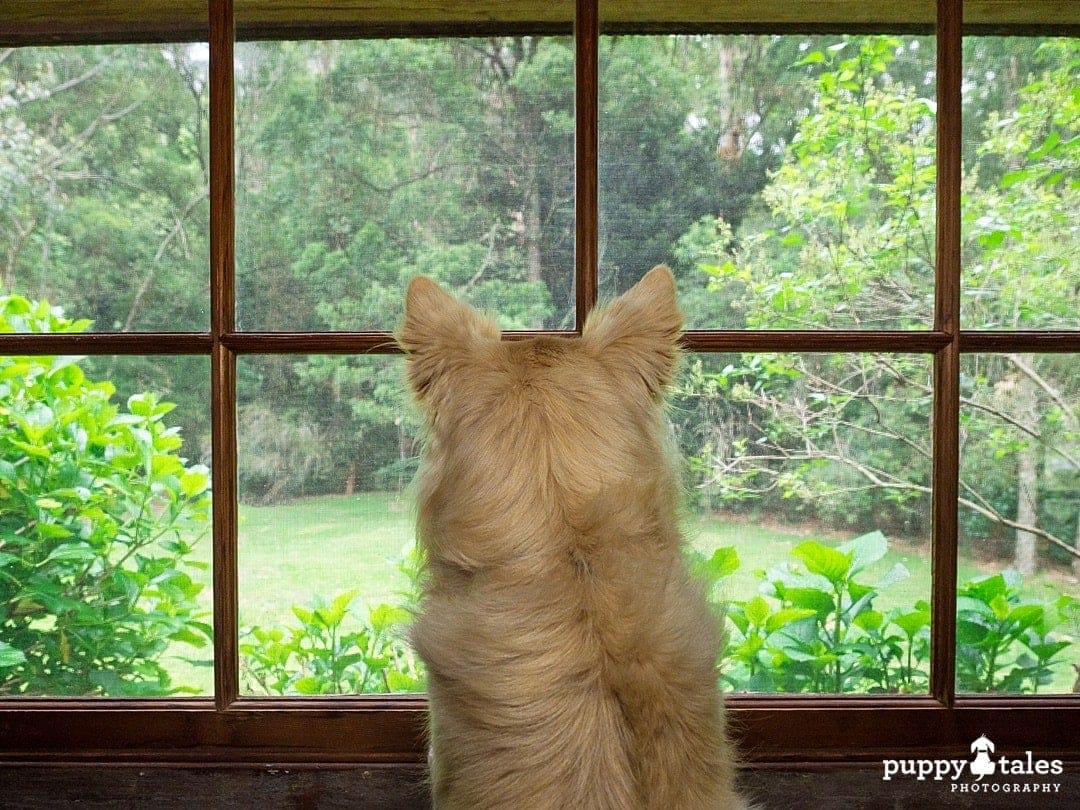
x=1021, y=205
x=330, y=651
x=98, y=517
x=814, y=628
x=844, y=239
x=326, y=654
x=1005, y=642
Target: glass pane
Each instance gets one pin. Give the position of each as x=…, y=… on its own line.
x=326, y=450
x=810, y=477
x=810, y=474
x=789, y=181
x=363, y=163
x=104, y=199
x=1021, y=206
x=104, y=524
x=1018, y=620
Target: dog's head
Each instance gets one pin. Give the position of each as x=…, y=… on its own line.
x=546, y=422
x=633, y=339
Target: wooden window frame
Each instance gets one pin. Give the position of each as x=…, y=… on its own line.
x=229, y=728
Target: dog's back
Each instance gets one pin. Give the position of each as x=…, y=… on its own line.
x=571, y=659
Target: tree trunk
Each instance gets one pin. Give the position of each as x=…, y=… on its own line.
x=730, y=142
x=1026, y=509
x=532, y=216
x=1027, y=478
x=1076, y=560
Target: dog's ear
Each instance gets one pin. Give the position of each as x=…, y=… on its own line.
x=639, y=331
x=439, y=333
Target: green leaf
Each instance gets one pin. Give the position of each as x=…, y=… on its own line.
x=985, y=588
x=401, y=682
x=9, y=656
x=1000, y=606
x=869, y=620
x=1025, y=616
x=339, y=606
x=80, y=552
x=911, y=623
x=723, y=563
x=309, y=685
x=757, y=610
x=812, y=599
x=1048, y=649
x=194, y=482
x=163, y=464
x=303, y=614
x=1010, y=179
x=971, y=633
x=386, y=616
x=812, y=58
x=830, y=563
x=786, y=616
x=1047, y=146
x=865, y=550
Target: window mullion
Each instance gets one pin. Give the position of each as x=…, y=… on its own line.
x=223, y=359
x=586, y=166
x=946, y=411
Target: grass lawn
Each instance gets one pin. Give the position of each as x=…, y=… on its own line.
x=323, y=546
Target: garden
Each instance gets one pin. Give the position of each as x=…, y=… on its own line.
x=789, y=181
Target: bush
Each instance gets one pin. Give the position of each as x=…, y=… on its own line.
x=98, y=518
x=332, y=652
x=813, y=628
x=1006, y=643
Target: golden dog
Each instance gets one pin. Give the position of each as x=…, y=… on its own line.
x=571, y=657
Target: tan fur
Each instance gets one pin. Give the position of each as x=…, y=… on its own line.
x=571, y=657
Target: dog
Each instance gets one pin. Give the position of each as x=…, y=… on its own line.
x=571, y=656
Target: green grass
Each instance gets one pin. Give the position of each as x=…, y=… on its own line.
x=322, y=546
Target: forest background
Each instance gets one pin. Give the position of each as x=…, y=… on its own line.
x=787, y=180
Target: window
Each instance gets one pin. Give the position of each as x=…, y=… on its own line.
x=842, y=372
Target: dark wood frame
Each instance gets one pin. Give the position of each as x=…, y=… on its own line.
x=229, y=728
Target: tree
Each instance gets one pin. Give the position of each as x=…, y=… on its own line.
x=847, y=240
x=103, y=177
x=362, y=164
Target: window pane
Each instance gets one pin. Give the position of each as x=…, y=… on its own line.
x=789, y=181
x=326, y=450
x=104, y=525
x=104, y=195
x=363, y=163
x=810, y=477
x=1018, y=622
x=1021, y=202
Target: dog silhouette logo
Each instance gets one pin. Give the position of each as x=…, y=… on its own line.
x=982, y=765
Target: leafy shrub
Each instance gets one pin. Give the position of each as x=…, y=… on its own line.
x=330, y=652
x=98, y=517
x=814, y=628
x=1005, y=643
